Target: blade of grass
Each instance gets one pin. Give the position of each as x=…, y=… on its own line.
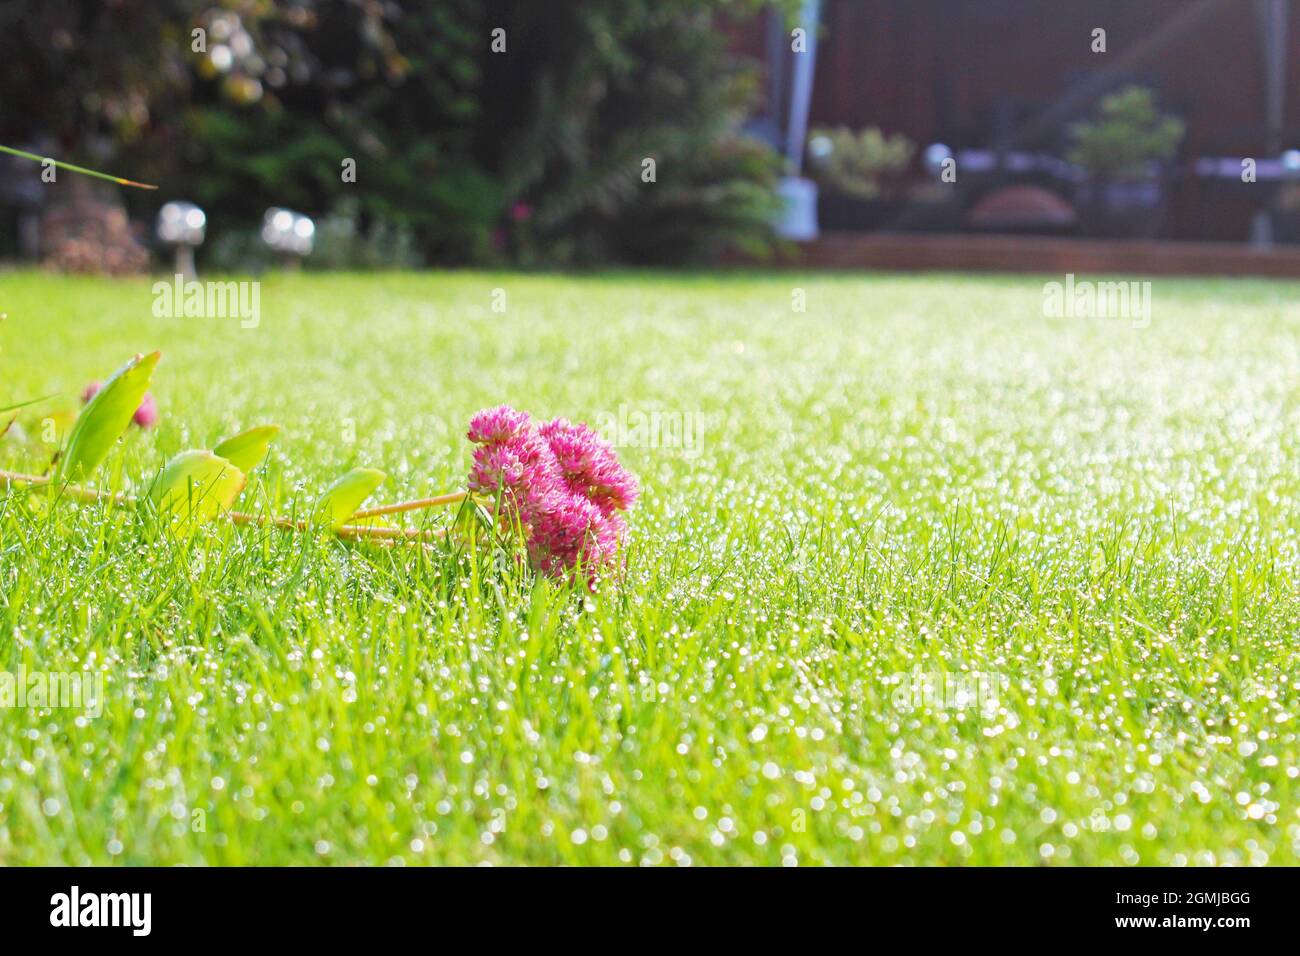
x=75, y=169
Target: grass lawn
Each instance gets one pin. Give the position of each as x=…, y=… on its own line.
x=916, y=481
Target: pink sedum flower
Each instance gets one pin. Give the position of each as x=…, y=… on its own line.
x=565, y=533
x=497, y=425
x=146, y=416
x=563, y=485
x=511, y=459
x=590, y=466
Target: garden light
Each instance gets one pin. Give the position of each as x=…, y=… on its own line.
x=182, y=225
x=288, y=233
x=936, y=154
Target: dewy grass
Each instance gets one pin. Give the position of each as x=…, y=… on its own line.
x=940, y=580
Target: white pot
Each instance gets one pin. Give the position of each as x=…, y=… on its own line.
x=798, y=220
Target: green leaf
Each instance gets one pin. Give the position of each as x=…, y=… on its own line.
x=342, y=499
x=105, y=418
x=248, y=449
x=196, y=486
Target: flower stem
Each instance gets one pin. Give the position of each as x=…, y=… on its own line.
x=72, y=491
x=416, y=505
x=349, y=531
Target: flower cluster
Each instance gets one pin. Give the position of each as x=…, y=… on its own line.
x=563, y=486
x=146, y=415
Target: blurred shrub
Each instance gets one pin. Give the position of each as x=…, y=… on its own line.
x=1288, y=198
x=238, y=250
x=864, y=165
x=343, y=242
x=87, y=231
x=1127, y=135
x=592, y=91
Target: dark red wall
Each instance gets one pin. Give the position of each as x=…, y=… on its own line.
x=893, y=63
x=961, y=70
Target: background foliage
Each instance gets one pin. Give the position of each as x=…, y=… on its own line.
x=1127, y=134
x=532, y=156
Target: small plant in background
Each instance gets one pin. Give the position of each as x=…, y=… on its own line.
x=1127, y=135
x=1288, y=198
x=1284, y=214
x=344, y=241
x=864, y=165
x=90, y=234
x=1121, y=151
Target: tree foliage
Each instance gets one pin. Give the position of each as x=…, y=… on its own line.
x=1128, y=133
x=534, y=153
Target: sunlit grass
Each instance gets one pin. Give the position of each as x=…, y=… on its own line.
x=918, y=475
